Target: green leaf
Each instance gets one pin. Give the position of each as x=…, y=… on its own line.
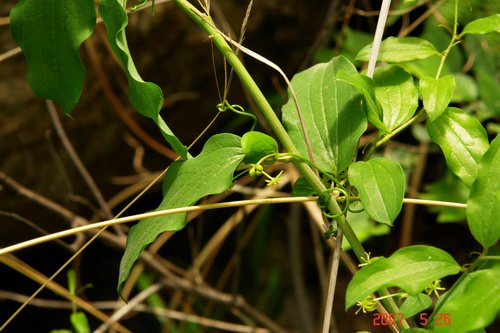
x=302, y=188
x=50, y=33
x=476, y=307
x=210, y=172
x=381, y=186
x=449, y=188
x=415, y=304
x=463, y=141
x=483, y=206
x=436, y=94
x=411, y=268
x=483, y=26
x=400, y=49
x=79, y=322
x=416, y=330
x=256, y=145
x=397, y=95
x=145, y=97
x=371, y=105
x=332, y=114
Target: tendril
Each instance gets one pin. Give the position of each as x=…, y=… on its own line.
x=221, y=107
x=325, y=197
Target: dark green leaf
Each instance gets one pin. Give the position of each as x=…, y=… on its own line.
x=185, y=183
x=483, y=25
x=489, y=90
x=400, y=49
x=301, y=188
x=466, y=89
x=483, y=206
x=332, y=114
x=436, y=94
x=415, y=304
x=476, y=307
x=50, y=33
x=463, y=141
x=145, y=97
x=397, y=95
x=411, y=268
x=381, y=186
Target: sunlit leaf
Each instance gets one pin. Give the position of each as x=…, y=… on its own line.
x=186, y=182
x=436, y=94
x=483, y=206
x=381, y=186
x=145, y=97
x=476, y=307
x=397, y=94
x=463, y=141
x=80, y=322
x=50, y=33
x=415, y=304
x=332, y=114
x=257, y=145
x=483, y=25
x=411, y=268
x=400, y=49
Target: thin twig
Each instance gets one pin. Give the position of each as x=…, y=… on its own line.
x=124, y=310
x=10, y=53
x=334, y=269
x=415, y=183
x=30, y=272
x=137, y=217
x=302, y=303
x=77, y=161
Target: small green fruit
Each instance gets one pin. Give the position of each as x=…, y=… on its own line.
x=256, y=145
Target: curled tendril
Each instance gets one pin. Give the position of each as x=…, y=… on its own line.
x=325, y=197
x=355, y=211
x=221, y=107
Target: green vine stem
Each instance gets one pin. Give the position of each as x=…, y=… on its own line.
x=204, y=22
